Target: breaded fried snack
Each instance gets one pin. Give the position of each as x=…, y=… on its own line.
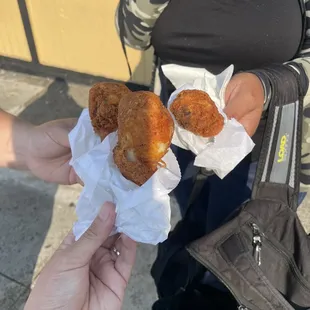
x=145, y=129
x=195, y=111
x=103, y=106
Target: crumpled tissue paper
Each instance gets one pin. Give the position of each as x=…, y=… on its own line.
x=142, y=213
x=225, y=151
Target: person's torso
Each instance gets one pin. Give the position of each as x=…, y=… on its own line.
x=216, y=33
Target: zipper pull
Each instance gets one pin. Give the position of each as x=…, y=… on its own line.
x=257, y=254
x=257, y=244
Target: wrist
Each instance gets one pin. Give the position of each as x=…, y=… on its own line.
x=266, y=87
x=14, y=141
x=22, y=151
x=256, y=88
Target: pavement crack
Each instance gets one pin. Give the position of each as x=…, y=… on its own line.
x=13, y=280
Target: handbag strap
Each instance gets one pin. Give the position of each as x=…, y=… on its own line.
x=277, y=175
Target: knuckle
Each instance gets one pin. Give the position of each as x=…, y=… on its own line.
x=91, y=233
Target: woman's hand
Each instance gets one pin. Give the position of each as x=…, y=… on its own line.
x=87, y=274
x=244, y=99
x=49, y=152
x=44, y=149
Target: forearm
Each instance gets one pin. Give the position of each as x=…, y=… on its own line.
x=305, y=151
x=14, y=136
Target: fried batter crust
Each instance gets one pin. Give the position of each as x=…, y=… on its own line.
x=145, y=130
x=195, y=111
x=103, y=106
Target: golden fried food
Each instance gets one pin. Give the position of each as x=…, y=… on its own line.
x=195, y=111
x=145, y=129
x=103, y=106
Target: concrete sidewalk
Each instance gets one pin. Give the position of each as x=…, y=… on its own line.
x=34, y=215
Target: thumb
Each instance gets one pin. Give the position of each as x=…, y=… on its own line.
x=96, y=234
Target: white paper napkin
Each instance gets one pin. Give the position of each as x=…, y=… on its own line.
x=225, y=151
x=143, y=213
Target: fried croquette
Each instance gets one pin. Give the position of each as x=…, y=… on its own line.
x=195, y=111
x=145, y=129
x=103, y=106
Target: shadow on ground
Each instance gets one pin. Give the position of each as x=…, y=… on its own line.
x=54, y=104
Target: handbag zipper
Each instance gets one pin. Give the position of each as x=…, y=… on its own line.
x=257, y=242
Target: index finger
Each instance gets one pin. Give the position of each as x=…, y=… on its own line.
x=125, y=261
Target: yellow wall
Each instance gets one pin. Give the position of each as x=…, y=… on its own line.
x=80, y=35
x=13, y=42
